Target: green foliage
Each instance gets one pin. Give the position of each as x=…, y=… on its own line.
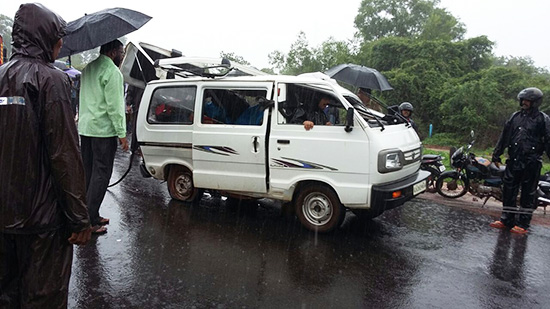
x=234, y=57
x=406, y=18
x=441, y=25
x=301, y=58
x=444, y=139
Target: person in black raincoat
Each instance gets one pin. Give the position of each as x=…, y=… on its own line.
x=42, y=184
x=526, y=135
x=312, y=115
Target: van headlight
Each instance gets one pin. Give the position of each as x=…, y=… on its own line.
x=390, y=160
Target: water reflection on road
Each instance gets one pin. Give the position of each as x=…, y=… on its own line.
x=165, y=254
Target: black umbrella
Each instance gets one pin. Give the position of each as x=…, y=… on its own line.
x=96, y=29
x=360, y=76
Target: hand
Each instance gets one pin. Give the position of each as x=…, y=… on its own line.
x=81, y=238
x=308, y=125
x=328, y=123
x=124, y=143
x=496, y=160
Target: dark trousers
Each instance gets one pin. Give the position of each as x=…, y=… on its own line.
x=35, y=270
x=98, y=155
x=514, y=179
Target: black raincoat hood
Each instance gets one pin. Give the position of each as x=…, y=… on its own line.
x=35, y=31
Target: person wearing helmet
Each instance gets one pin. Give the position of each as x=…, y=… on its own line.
x=406, y=110
x=526, y=135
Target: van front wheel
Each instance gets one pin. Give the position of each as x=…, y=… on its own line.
x=319, y=209
x=180, y=184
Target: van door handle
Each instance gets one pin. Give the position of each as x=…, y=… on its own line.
x=256, y=144
x=283, y=141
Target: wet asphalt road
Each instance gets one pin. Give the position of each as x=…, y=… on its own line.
x=159, y=253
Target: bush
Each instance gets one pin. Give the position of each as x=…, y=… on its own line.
x=444, y=139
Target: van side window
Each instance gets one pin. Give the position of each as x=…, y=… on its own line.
x=233, y=106
x=306, y=103
x=174, y=105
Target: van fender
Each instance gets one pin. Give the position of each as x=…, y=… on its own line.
x=299, y=184
x=167, y=164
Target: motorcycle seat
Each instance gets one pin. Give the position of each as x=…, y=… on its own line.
x=430, y=156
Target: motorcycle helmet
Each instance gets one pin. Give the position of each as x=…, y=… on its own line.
x=531, y=94
x=406, y=106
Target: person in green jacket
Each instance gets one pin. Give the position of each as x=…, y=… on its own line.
x=102, y=123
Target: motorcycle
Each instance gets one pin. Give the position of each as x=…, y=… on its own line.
x=473, y=174
x=433, y=164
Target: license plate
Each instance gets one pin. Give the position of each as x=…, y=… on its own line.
x=419, y=187
x=442, y=168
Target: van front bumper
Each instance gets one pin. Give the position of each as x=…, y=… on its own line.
x=383, y=195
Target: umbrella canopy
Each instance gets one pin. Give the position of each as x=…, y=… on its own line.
x=360, y=76
x=96, y=29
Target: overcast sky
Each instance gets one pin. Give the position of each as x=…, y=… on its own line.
x=252, y=29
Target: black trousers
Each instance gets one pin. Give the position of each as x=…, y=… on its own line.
x=35, y=270
x=525, y=178
x=98, y=155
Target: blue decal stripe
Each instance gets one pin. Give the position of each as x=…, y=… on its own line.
x=303, y=164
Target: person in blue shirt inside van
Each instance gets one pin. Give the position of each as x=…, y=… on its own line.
x=214, y=112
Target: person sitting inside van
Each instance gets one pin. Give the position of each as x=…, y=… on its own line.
x=253, y=115
x=313, y=115
x=212, y=113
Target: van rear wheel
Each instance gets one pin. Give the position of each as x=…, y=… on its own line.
x=180, y=184
x=319, y=209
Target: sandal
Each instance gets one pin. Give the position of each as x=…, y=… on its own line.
x=98, y=229
x=498, y=225
x=103, y=221
x=518, y=230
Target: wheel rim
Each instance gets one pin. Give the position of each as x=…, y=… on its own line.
x=184, y=185
x=317, y=209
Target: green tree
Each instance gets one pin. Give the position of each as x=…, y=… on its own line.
x=406, y=18
x=299, y=59
x=441, y=25
x=331, y=53
x=484, y=100
x=234, y=57
x=302, y=58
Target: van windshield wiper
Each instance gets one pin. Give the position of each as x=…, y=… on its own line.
x=366, y=111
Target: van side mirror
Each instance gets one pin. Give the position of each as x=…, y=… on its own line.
x=349, y=120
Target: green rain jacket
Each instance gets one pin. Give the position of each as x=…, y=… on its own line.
x=102, y=109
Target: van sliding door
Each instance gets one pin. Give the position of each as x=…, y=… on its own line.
x=229, y=137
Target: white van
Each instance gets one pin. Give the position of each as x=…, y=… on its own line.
x=204, y=129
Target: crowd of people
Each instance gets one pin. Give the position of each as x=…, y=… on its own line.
x=52, y=184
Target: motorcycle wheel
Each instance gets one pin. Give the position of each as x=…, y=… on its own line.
x=452, y=186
